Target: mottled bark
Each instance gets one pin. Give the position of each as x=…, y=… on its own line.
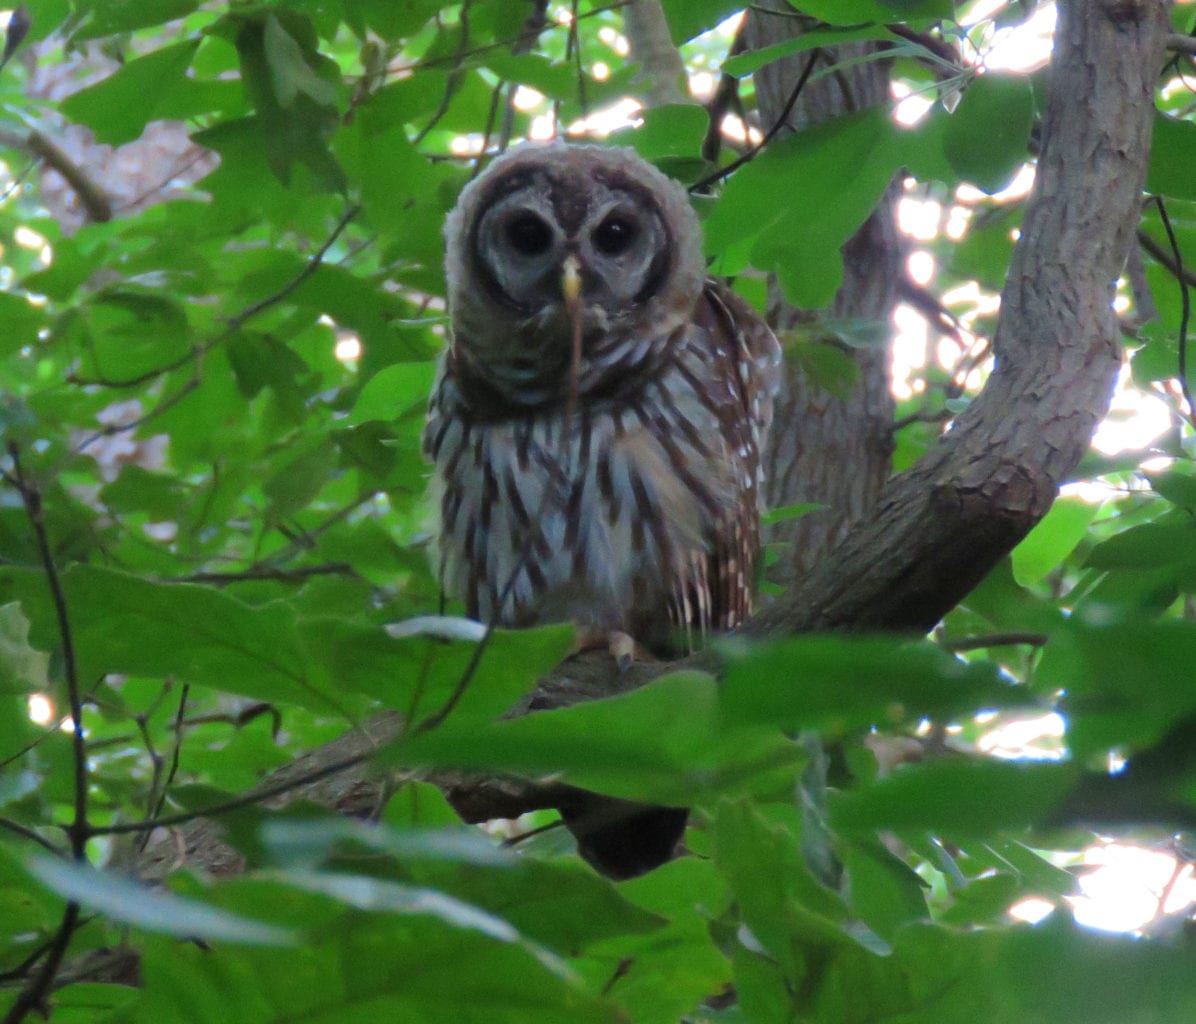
x=940, y=527
x=825, y=449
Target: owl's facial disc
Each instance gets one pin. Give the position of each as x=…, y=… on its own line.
x=616, y=237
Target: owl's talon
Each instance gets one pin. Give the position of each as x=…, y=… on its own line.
x=622, y=649
x=620, y=645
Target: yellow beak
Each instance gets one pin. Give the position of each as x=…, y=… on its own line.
x=571, y=283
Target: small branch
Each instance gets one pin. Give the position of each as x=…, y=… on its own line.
x=249, y=799
x=1177, y=43
x=27, y=833
x=33, y=996
x=1162, y=256
x=95, y=203
x=1186, y=309
x=926, y=416
x=433, y=62
x=1011, y=639
x=573, y=49
x=946, y=63
x=454, y=78
x=269, y=572
x=720, y=103
x=780, y=123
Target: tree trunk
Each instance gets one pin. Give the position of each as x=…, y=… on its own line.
x=829, y=450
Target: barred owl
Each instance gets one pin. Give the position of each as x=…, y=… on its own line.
x=597, y=425
x=598, y=459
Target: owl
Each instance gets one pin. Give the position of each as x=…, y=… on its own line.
x=598, y=419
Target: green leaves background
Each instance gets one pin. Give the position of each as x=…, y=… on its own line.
x=235, y=514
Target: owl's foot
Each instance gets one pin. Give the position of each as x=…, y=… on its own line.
x=622, y=646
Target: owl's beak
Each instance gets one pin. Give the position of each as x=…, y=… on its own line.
x=571, y=291
x=571, y=284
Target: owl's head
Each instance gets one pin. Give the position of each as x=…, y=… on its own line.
x=627, y=232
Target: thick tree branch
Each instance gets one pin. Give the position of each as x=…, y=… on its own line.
x=662, y=72
x=941, y=526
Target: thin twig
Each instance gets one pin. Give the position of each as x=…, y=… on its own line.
x=720, y=103
x=1162, y=256
x=269, y=572
x=1185, y=309
x=92, y=198
x=257, y=796
x=235, y=323
x=573, y=49
x=433, y=62
x=1177, y=43
x=27, y=833
x=33, y=995
x=1010, y=639
x=781, y=121
x=455, y=75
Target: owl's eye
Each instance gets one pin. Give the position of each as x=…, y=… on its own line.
x=528, y=234
x=615, y=235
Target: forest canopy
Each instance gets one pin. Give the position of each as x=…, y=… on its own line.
x=233, y=698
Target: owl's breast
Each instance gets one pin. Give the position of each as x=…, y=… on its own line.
x=608, y=520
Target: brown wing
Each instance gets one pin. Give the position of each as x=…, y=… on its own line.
x=745, y=360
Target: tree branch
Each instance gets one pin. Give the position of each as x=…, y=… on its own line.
x=662, y=72
x=91, y=196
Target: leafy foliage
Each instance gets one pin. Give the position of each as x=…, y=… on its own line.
x=214, y=503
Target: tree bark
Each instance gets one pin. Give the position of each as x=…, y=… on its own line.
x=825, y=449
x=940, y=527
x=662, y=76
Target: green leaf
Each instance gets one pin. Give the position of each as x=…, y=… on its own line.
x=296, y=482
x=198, y=634
x=1172, y=152
x=960, y=799
x=417, y=674
x=22, y=669
x=295, y=842
x=988, y=134
x=289, y=68
x=132, y=903
x=1177, y=487
x=635, y=746
x=782, y=903
x=689, y=18
x=885, y=892
x=842, y=683
x=673, y=130
x=1147, y=546
x=292, y=89
x=554, y=79
x=748, y=63
x=22, y=321
x=363, y=966
x=108, y=17
x=562, y=905
x=1053, y=539
x=393, y=392
x=794, y=206
x=1125, y=684
x=118, y=108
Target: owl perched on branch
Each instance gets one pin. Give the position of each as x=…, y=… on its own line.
x=618, y=488
x=597, y=425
